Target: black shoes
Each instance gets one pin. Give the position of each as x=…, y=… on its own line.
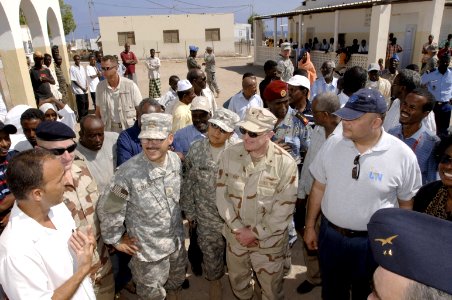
x=305, y=287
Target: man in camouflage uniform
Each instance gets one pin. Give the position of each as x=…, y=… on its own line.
x=209, y=62
x=191, y=59
x=256, y=194
x=285, y=65
x=198, y=198
x=80, y=196
x=144, y=195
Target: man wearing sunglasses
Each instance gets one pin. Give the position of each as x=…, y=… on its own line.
x=117, y=97
x=256, y=194
x=80, y=196
x=356, y=174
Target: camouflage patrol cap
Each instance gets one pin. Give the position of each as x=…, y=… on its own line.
x=155, y=126
x=258, y=119
x=200, y=103
x=225, y=119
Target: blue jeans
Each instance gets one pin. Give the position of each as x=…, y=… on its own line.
x=346, y=264
x=121, y=270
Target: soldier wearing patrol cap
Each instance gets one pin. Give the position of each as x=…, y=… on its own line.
x=209, y=63
x=198, y=198
x=414, y=251
x=285, y=65
x=80, y=196
x=256, y=194
x=140, y=213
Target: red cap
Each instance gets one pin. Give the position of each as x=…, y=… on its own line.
x=277, y=89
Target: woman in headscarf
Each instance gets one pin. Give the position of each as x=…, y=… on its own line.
x=63, y=114
x=305, y=63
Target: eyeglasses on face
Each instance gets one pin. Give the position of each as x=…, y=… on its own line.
x=250, y=133
x=215, y=126
x=445, y=159
x=105, y=69
x=356, y=168
x=60, y=151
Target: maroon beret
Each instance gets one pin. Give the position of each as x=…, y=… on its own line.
x=277, y=89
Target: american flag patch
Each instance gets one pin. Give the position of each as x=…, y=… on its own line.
x=119, y=191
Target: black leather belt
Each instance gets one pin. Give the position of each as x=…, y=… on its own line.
x=347, y=232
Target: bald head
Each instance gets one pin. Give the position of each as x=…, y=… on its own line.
x=249, y=87
x=91, y=132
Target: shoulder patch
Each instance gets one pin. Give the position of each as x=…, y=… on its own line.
x=120, y=192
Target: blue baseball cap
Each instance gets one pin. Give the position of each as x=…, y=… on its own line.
x=413, y=245
x=365, y=100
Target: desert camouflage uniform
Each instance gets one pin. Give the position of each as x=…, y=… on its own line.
x=260, y=196
x=81, y=200
x=209, y=59
x=146, y=198
x=192, y=63
x=198, y=203
x=286, y=67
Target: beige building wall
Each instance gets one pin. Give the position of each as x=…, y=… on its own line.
x=149, y=34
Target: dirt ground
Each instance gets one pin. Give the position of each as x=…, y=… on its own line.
x=229, y=75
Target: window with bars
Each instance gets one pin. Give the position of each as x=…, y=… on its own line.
x=126, y=37
x=171, y=36
x=212, y=34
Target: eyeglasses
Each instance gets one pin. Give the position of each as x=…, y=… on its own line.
x=60, y=151
x=250, y=133
x=215, y=126
x=107, y=68
x=356, y=168
x=445, y=159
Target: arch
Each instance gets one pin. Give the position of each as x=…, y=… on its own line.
x=38, y=35
x=56, y=36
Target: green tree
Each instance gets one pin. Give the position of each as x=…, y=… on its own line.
x=67, y=17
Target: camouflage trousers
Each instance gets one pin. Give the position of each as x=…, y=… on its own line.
x=212, y=244
x=212, y=82
x=269, y=269
x=153, y=279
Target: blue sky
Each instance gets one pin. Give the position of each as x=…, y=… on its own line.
x=241, y=8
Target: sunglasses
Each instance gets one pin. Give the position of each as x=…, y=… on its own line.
x=445, y=159
x=107, y=68
x=215, y=126
x=250, y=133
x=356, y=168
x=60, y=151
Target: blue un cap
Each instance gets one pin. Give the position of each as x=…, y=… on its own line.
x=193, y=48
x=413, y=245
x=365, y=100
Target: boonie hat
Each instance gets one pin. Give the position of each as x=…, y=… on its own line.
x=155, y=126
x=54, y=131
x=277, y=89
x=299, y=80
x=414, y=245
x=258, y=119
x=225, y=119
x=365, y=100
x=10, y=129
x=183, y=85
x=200, y=103
x=373, y=67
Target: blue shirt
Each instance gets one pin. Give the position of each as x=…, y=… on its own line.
x=128, y=144
x=99, y=68
x=439, y=85
x=423, y=143
x=183, y=138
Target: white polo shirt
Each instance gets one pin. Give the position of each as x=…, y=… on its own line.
x=35, y=260
x=388, y=171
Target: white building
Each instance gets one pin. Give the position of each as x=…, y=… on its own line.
x=168, y=34
x=242, y=32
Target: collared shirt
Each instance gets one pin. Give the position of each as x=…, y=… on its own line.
x=349, y=202
x=128, y=144
x=35, y=260
x=393, y=115
x=183, y=138
x=169, y=100
x=181, y=116
x=130, y=68
x=239, y=104
x=320, y=86
x=93, y=82
x=78, y=74
x=153, y=64
x=99, y=68
x=291, y=130
x=440, y=85
x=423, y=143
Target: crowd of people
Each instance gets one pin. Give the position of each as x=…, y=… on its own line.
x=341, y=162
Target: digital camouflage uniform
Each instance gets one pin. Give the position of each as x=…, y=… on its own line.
x=146, y=198
x=286, y=68
x=198, y=203
x=192, y=63
x=261, y=196
x=209, y=59
x=81, y=200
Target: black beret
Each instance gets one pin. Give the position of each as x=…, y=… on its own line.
x=414, y=245
x=54, y=131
